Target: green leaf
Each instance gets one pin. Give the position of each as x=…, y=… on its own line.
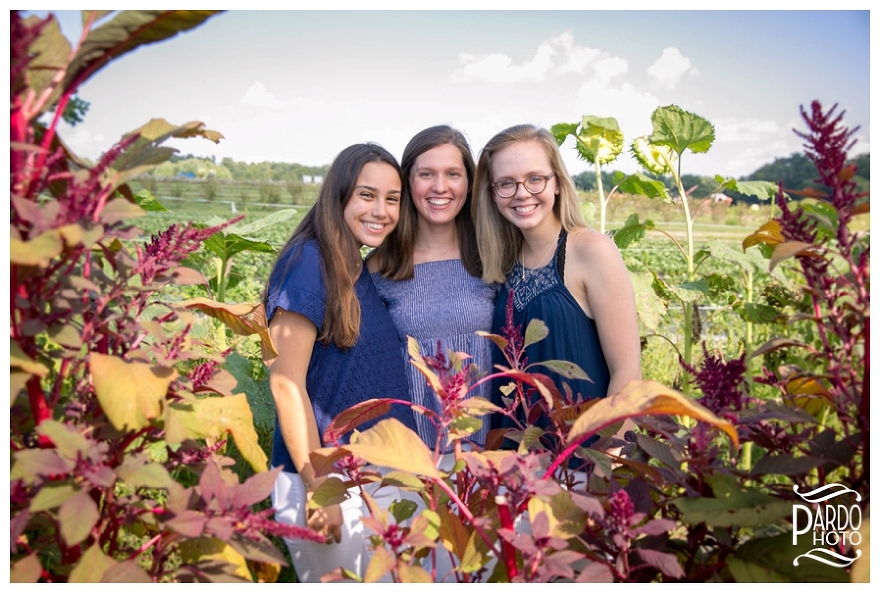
x=733, y=506
x=37, y=251
x=126, y=32
x=529, y=437
x=50, y=53
x=567, y=520
x=631, y=231
x=130, y=393
x=688, y=292
x=479, y=406
x=763, y=190
x=639, y=184
x=771, y=559
x=68, y=441
x=236, y=244
x=651, y=308
x=149, y=475
x=77, y=516
x=52, y=495
x=331, y=491
x=403, y=480
x=681, y=130
x=562, y=131
x=148, y=202
x=535, y=332
x=463, y=426
x=259, y=394
x=402, y=510
x=757, y=313
x=785, y=464
x=569, y=370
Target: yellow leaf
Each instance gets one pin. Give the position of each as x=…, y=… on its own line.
x=193, y=551
x=770, y=233
x=213, y=417
x=381, y=562
x=391, y=444
x=645, y=398
x=18, y=359
x=130, y=393
x=36, y=252
x=244, y=319
x=412, y=574
x=567, y=520
x=807, y=386
x=784, y=251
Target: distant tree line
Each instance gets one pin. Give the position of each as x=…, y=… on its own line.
x=795, y=172
x=207, y=166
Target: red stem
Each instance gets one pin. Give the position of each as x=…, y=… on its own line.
x=507, y=549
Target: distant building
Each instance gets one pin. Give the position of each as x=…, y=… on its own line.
x=307, y=179
x=318, y=179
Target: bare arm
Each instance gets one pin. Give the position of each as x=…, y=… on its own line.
x=294, y=338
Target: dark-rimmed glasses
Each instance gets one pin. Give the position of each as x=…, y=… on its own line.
x=534, y=184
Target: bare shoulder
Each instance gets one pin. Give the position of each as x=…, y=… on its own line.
x=590, y=246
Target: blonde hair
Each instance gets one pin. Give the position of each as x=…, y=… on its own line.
x=499, y=240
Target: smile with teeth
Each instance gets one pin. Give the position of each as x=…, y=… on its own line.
x=374, y=226
x=525, y=209
x=439, y=201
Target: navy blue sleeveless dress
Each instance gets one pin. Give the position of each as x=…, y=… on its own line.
x=541, y=294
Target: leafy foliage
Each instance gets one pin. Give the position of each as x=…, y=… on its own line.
x=117, y=472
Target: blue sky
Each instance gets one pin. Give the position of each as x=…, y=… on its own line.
x=298, y=86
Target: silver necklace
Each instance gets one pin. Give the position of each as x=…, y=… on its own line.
x=522, y=258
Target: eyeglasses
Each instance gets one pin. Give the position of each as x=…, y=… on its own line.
x=506, y=188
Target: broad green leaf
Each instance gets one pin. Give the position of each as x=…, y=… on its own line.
x=732, y=506
x=50, y=53
x=148, y=202
x=125, y=32
x=52, y=495
x=631, y=232
x=688, y=292
x=567, y=520
x=403, y=480
x=651, y=309
x=529, y=437
x=660, y=451
x=259, y=394
x=391, y=444
x=244, y=319
x=331, y=491
x=569, y=370
x=68, y=441
x=478, y=406
x=463, y=426
x=639, y=184
x=37, y=251
x=91, y=566
x=26, y=570
x=759, y=313
x=535, y=332
x=130, y=393
x=772, y=558
x=750, y=260
x=476, y=553
x=77, y=516
x=194, y=551
x=785, y=464
x=402, y=510
x=681, y=130
x=236, y=244
x=562, y=131
x=66, y=335
x=213, y=417
x=644, y=398
x=763, y=190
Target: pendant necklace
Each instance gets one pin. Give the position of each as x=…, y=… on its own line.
x=522, y=258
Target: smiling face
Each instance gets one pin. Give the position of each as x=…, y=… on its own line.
x=518, y=162
x=372, y=211
x=438, y=184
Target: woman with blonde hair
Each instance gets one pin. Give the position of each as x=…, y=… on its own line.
x=532, y=237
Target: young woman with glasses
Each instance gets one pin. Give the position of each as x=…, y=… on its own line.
x=532, y=237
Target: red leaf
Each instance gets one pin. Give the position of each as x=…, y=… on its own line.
x=255, y=489
x=188, y=523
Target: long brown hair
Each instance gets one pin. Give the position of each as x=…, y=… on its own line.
x=394, y=257
x=340, y=251
x=498, y=239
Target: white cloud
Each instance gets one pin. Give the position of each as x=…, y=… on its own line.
x=670, y=67
x=557, y=55
x=731, y=130
x=258, y=96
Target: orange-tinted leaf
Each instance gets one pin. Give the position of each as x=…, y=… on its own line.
x=495, y=338
x=769, y=233
x=848, y=172
x=809, y=192
x=789, y=249
x=199, y=550
x=807, y=386
x=184, y=276
x=863, y=208
x=91, y=566
x=324, y=458
x=37, y=251
x=213, y=417
x=130, y=393
x=644, y=398
x=355, y=416
x=391, y=444
x=244, y=319
x=26, y=570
